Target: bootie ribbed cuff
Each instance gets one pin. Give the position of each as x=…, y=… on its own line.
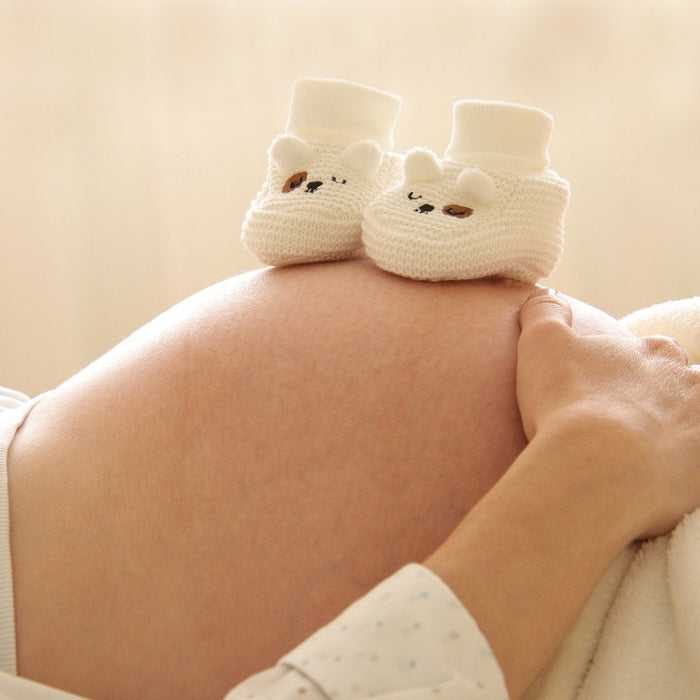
x=500, y=136
x=342, y=112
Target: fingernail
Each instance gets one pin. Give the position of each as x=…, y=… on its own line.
x=545, y=291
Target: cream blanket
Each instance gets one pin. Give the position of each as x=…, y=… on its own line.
x=638, y=637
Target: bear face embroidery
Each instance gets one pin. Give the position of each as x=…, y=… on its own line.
x=473, y=186
x=456, y=210
x=423, y=208
x=357, y=161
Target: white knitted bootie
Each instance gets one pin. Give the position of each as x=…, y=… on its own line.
x=332, y=161
x=490, y=208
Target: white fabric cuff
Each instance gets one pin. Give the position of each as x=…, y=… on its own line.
x=14, y=408
x=341, y=111
x=410, y=637
x=500, y=136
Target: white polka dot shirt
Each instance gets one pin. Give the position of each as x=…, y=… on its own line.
x=410, y=637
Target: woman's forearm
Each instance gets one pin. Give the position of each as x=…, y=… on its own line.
x=526, y=558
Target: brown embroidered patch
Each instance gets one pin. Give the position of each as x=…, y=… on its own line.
x=458, y=211
x=295, y=181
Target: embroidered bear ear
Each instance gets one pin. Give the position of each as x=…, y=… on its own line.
x=363, y=157
x=476, y=186
x=290, y=153
x=421, y=165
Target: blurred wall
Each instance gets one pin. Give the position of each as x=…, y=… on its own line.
x=133, y=136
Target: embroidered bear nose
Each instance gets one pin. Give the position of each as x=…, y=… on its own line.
x=424, y=208
x=313, y=186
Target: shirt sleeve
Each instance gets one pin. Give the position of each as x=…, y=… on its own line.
x=410, y=637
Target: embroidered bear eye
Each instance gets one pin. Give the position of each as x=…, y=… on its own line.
x=412, y=196
x=458, y=211
x=340, y=182
x=295, y=181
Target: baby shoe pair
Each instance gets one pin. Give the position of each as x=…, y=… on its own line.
x=491, y=207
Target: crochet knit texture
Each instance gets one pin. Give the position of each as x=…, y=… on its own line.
x=490, y=208
x=331, y=162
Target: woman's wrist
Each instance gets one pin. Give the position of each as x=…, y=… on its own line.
x=617, y=477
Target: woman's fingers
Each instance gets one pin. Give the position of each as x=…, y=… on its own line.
x=643, y=390
x=666, y=347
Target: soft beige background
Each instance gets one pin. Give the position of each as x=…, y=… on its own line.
x=133, y=136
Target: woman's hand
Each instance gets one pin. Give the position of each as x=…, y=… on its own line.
x=614, y=455
x=637, y=397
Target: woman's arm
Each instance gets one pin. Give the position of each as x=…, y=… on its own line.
x=614, y=455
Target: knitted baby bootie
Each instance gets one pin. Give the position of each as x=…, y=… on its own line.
x=491, y=207
x=332, y=161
